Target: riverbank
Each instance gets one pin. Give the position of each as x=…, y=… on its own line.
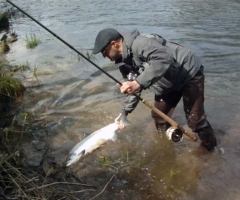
x=24, y=161
x=29, y=168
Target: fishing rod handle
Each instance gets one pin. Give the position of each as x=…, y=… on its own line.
x=168, y=119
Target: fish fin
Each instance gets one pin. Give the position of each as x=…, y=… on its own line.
x=82, y=153
x=125, y=122
x=114, y=138
x=86, y=134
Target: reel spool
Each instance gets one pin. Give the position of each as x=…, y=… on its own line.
x=174, y=134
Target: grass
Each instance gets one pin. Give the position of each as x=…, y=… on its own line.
x=24, y=66
x=172, y=173
x=90, y=56
x=11, y=70
x=35, y=74
x=32, y=41
x=10, y=89
x=16, y=183
x=4, y=20
x=104, y=161
x=2, y=66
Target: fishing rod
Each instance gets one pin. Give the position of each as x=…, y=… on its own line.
x=153, y=108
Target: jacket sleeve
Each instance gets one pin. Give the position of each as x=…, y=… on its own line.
x=155, y=58
x=130, y=102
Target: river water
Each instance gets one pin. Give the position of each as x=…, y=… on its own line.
x=71, y=97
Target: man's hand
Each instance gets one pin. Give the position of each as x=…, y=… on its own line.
x=129, y=87
x=117, y=121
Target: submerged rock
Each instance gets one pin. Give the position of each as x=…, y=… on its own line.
x=12, y=38
x=4, y=48
x=5, y=40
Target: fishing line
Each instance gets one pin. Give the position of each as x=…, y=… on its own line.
x=73, y=53
x=165, y=117
x=36, y=30
x=70, y=46
x=79, y=54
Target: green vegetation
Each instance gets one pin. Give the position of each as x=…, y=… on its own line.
x=104, y=161
x=10, y=90
x=90, y=56
x=4, y=22
x=10, y=70
x=32, y=41
x=3, y=64
x=172, y=173
x=35, y=74
x=23, y=67
x=3, y=17
x=15, y=182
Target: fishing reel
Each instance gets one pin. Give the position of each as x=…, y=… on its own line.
x=132, y=76
x=174, y=134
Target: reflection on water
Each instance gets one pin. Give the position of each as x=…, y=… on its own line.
x=75, y=99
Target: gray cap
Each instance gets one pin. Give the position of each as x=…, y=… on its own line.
x=104, y=38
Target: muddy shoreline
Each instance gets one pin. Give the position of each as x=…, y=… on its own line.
x=27, y=168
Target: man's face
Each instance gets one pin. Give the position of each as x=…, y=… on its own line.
x=112, y=51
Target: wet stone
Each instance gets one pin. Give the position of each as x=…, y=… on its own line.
x=39, y=145
x=34, y=158
x=6, y=121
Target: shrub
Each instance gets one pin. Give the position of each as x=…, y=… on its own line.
x=10, y=89
x=4, y=22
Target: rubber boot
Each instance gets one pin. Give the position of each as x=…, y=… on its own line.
x=207, y=138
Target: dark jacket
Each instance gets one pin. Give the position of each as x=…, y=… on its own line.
x=160, y=65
